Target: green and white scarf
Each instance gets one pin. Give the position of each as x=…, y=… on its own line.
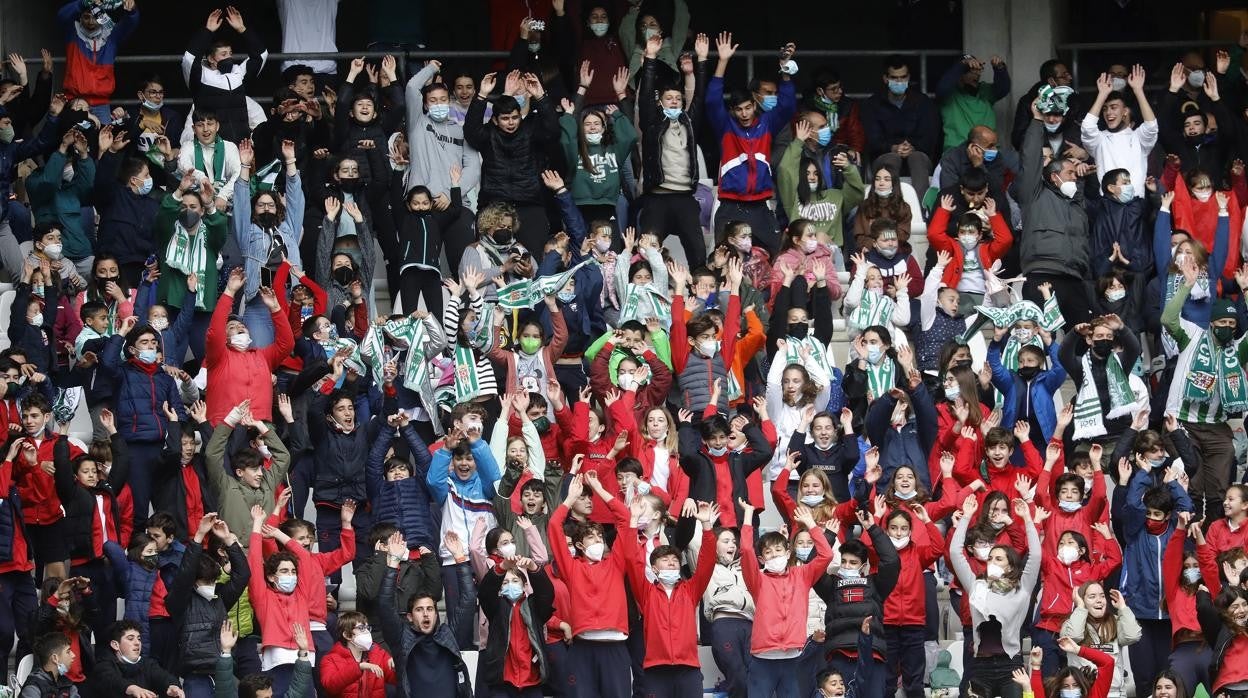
x=880, y=378
x=408, y=330
x=872, y=310
x=188, y=253
x=526, y=293
x=1089, y=422
x=265, y=178
x=1199, y=292
x=632, y=309
x=217, y=175
x=1216, y=368
x=467, y=382
x=818, y=353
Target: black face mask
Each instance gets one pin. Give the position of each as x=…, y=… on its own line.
x=1028, y=372
x=225, y=65
x=189, y=220
x=350, y=185
x=964, y=363
x=798, y=330
x=1103, y=347
x=503, y=236
x=344, y=275
x=266, y=219
x=101, y=282
x=1224, y=335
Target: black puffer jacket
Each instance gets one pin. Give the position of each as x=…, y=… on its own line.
x=512, y=163
x=200, y=619
x=851, y=600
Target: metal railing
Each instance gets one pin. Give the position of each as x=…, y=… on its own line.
x=920, y=62
x=1075, y=51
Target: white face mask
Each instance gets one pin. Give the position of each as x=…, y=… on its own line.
x=1203, y=195
x=1118, y=84
x=1069, y=189
x=982, y=552
x=1068, y=554
x=594, y=551
x=995, y=571
x=53, y=251
x=776, y=565
x=507, y=550
x=37, y=320
x=241, y=341
x=627, y=381
x=900, y=543
x=884, y=193
x=160, y=324
x=708, y=347
x=968, y=241
x=209, y=592
x=363, y=640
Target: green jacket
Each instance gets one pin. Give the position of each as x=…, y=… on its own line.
x=56, y=201
x=961, y=111
x=171, y=288
x=603, y=186
x=828, y=217
x=234, y=499
x=659, y=340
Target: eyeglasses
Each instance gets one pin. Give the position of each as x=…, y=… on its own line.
x=363, y=628
x=154, y=93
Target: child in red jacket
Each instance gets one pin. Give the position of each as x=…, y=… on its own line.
x=999, y=445
x=1071, y=679
x=1231, y=533
x=1069, y=513
x=598, y=661
x=670, y=608
x=972, y=253
x=281, y=598
x=781, y=594
x=355, y=667
x=1077, y=560
x=919, y=545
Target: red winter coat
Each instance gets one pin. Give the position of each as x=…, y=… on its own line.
x=1058, y=581
x=233, y=375
x=671, y=619
x=907, y=605
x=781, y=601
x=595, y=588
x=989, y=250
x=342, y=677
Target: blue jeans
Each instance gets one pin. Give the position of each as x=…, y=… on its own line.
x=773, y=677
x=259, y=322
x=197, y=686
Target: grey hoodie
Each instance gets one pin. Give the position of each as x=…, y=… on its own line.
x=434, y=147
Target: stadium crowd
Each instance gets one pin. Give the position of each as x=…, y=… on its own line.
x=464, y=336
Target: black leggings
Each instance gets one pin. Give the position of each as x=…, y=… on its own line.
x=414, y=282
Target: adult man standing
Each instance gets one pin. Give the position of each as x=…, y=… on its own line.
x=1054, y=246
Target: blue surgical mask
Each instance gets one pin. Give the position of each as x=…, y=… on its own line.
x=649, y=32
x=717, y=452
x=668, y=577
x=1070, y=507
x=1191, y=575
x=824, y=135
x=990, y=155
x=953, y=393
x=286, y=583
x=1052, y=128
x=440, y=112
x=1157, y=462
x=147, y=356
x=812, y=500
x=520, y=100
x=769, y=102
x=566, y=296
x=146, y=187
x=898, y=87
x=593, y=138
x=673, y=113
x=874, y=354
x=1126, y=194
x=906, y=496
x=599, y=28
x=1070, y=693
x=804, y=552
x=513, y=591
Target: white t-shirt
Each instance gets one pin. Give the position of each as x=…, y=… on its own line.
x=308, y=26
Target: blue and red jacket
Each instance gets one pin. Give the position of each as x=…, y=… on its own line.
x=89, y=61
x=744, y=164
